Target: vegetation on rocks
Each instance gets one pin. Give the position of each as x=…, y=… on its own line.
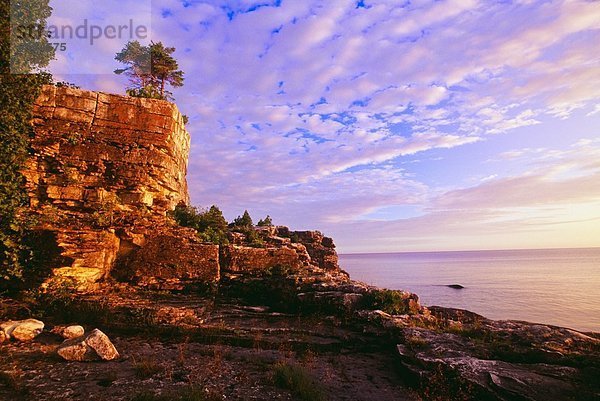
x=245, y=225
x=19, y=91
x=210, y=224
x=298, y=380
x=266, y=222
x=389, y=301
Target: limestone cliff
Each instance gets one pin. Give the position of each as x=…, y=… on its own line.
x=104, y=171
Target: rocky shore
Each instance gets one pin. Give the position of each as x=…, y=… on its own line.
x=230, y=343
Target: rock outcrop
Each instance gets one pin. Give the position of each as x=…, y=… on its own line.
x=170, y=258
x=102, y=167
x=280, y=248
x=104, y=172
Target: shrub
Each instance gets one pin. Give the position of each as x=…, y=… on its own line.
x=210, y=224
x=266, y=222
x=390, y=301
x=19, y=92
x=146, y=368
x=298, y=380
x=244, y=221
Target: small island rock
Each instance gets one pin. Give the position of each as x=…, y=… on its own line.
x=456, y=286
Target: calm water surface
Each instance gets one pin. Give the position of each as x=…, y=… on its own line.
x=553, y=286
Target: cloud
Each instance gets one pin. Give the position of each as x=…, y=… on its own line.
x=555, y=203
x=296, y=106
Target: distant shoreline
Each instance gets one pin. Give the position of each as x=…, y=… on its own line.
x=467, y=251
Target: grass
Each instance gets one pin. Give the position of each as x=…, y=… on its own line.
x=416, y=343
x=298, y=380
x=444, y=383
x=146, y=368
x=190, y=393
x=11, y=381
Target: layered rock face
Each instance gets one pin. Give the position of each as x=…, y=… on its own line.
x=281, y=248
x=102, y=166
x=92, y=148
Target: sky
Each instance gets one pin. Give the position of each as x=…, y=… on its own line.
x=417, y=125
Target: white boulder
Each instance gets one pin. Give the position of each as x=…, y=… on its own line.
x=94, y=346
x=21, y=330
x=69, y=332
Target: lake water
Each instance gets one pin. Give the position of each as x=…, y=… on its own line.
x=552, y=286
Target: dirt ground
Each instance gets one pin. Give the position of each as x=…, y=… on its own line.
x=149, y=366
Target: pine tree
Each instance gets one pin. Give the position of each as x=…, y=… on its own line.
x=150, y=69
x=243, y=221
x=266, y=222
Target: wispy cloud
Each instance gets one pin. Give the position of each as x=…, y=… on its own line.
x=308, y=110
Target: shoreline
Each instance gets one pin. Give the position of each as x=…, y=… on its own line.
x=429, y=351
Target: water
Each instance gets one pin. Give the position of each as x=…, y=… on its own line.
x=552, y=286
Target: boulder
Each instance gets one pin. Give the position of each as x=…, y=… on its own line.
x=69, y=332
x=92, y=347
x=21, y=330
x=76, y=349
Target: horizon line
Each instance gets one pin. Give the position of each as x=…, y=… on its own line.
x=473, y=250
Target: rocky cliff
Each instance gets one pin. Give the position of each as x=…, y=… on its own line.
x=103, y=173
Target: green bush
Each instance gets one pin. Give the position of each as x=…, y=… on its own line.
x=298, y=380
x=266, y=222
x=244, y=221
x=210, y=224
x=19, y=92
x=390, y=301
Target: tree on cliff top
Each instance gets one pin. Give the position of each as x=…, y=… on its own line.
x=210, y=224
x=244, y=221
x=27, y=55
x=150, y=69
x=266, y=222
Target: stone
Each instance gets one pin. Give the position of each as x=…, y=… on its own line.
x=22, y=330
x=76, y=350
x=320, y=248
x=100, y=343
x=170, y=258
x=94, y=346
x=6, y=328
x=248, y=259
x=69, y=332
